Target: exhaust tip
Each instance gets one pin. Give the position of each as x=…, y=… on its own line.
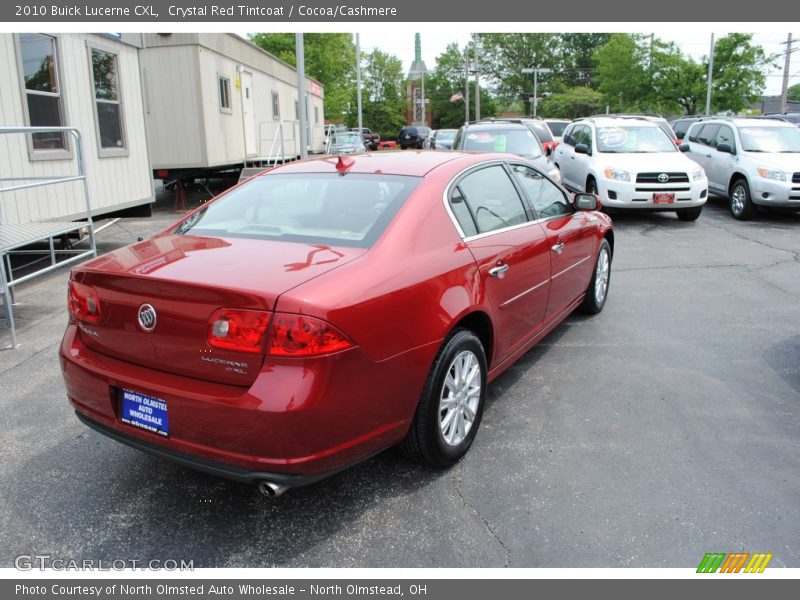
x=270, y=489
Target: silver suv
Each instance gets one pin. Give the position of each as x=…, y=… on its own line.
x=752, y=162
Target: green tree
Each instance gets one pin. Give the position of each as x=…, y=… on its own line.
x=677, y=83
x=793, y=93
x=329, y=58
x=622, y=72
x=579, y=58
x=572, y=103
x=383, y=98
x=505, y=55
x=739, y=72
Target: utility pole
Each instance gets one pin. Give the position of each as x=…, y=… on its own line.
x=535, y=72
x=358, y=83
x=466, y=83
x=477, y=79
x=785, y=87
x=300, y=55
x=710, y=76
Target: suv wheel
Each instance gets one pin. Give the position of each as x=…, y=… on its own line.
x=740, y=202
x=689, y=214
x=591, y=186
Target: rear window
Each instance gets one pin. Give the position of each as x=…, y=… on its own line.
x=542, y=131
x=557, y=127
x=330, y=209
x=519, y=141
x=408, y=130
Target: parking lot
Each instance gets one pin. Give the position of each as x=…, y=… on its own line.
x=666, y=427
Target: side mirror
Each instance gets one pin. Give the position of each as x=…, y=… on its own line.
x=581, y=149
x=726, y=148
x=586, y=202
x=684, y=147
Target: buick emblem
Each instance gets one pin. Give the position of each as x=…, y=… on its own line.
x=147, y=317
x=663, y=178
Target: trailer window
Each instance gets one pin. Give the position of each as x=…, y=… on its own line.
x=42, y=89
x=107, y=103
x=224, y=94
x=276, y=107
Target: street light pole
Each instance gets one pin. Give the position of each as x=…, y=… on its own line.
x=710, y=76
x=477, y=79
x=466, y=84
x=358, y=84
x=301, y=92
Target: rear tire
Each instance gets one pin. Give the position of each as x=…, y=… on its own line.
x=689, y=214
x=450, y=408
x=741, y=204
x=597, y=292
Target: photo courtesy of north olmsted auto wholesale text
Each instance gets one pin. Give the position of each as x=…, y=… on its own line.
x=426, y=300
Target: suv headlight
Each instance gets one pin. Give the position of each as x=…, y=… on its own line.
x=698, y=175
x=768, y=173
x=617, y=174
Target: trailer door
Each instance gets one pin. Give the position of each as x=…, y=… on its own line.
x=248, y=115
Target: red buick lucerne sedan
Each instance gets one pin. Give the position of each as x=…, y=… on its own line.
x=328, y=309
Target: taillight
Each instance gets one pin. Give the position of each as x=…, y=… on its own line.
x=83, y=303
x=241, y=330
x=302, y=336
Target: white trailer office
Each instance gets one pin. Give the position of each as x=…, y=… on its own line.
x=91, y=82
x=216, y=102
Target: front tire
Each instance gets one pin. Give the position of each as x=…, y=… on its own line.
x=597, y=292
x=450, y=408
x=689, y=214
x=741, y=203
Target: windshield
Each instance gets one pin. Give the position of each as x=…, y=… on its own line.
x=449, y=134
x=770, y=139
x=331, y=209
x=347, y=139
x=515, y=141
x=557, y=128
x=633, y=139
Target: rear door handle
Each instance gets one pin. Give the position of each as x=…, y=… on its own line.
x=557, y=248
x=498, y=271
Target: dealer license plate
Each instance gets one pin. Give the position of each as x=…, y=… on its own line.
x=663, y=198
x=145, y=412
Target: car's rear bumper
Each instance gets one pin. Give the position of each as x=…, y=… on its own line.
x=298, y=418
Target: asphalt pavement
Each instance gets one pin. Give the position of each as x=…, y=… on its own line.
x=663, y=428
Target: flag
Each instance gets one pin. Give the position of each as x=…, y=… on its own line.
x=455, y=97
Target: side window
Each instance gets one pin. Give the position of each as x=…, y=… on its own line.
x=708, y=134
x=224, y=93
x=276, y=107
x=568, y=139
x=693, y=131
x=461, y=212
x=38, y=63
x=725, y=136
x=459, y=137
x=492, y=199
x=547, y=199
x=587, y=137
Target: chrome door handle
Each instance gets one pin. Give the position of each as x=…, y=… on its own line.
x=558, y=248
x=498, y=271
x=708, y=156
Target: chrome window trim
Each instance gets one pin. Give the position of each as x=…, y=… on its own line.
x=501, y=162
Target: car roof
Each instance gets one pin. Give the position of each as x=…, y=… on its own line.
x=497, y=125
x=745, y=121
x=414, y=164
x=617, y=121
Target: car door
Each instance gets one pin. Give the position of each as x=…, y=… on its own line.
x=581, y=163
x=565, y=156
x=512, y=252
x=700, y=142
x=571, y=237
x=721, y=164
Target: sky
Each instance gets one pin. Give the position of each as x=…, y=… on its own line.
x=694, y=42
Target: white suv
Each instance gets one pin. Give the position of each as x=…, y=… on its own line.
x=631, y=163
x=749, y=161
